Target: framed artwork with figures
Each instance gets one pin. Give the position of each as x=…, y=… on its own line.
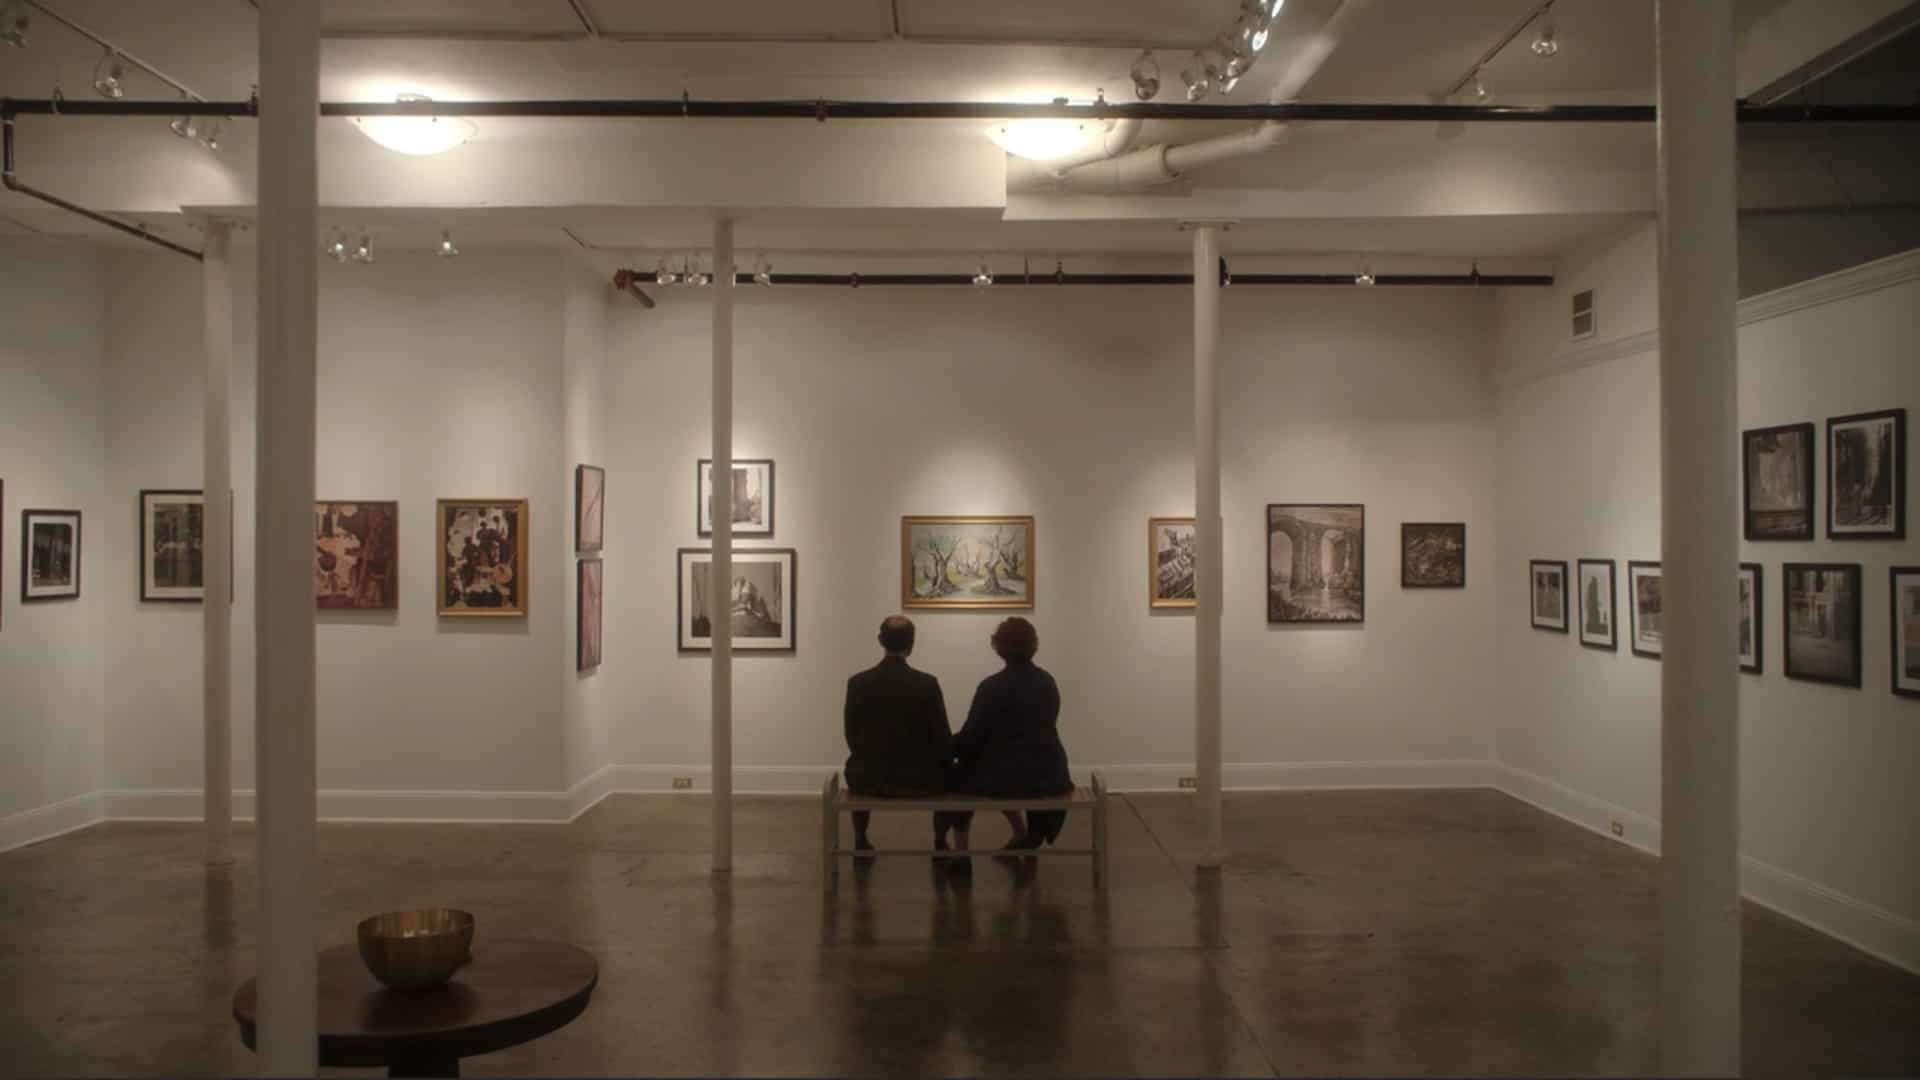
x=483, y=557
x=49, y=555
x=172, y=538
x=1777, y=494
x=1547, y=593
x=758, y=605
x=1867, y=476
x=1170, y=563
x=750, y=495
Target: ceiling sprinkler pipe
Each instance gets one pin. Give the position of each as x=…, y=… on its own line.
x=1188, y=157
x=1117, y=137
x=1143, y=168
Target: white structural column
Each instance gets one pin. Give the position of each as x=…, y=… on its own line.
x=1207, y=534
x=1699, y=712
x=284, y=704
x=217, y=547
x=720, y=592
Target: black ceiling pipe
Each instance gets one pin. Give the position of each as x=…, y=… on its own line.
x=1054, y=279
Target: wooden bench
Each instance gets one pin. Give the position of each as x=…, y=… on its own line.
x=836, y=800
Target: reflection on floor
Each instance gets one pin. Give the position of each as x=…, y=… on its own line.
x=1403, y=932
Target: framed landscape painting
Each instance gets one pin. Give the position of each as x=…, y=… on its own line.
x=1777, y=500
x=1647, y=611
x=750, y=494
x=483, y=557
x=1433, y=555
x=589, y=507
x=1599, y=624
x=1751, y=609
x=1821, y=613
x=172, y=539
x=1547, y=590
x=356, y=556
x=587, y=614
x=1866, y=476
x=983, y=563
x=1170, y=556
x=1316, y=562
x=1906, y=631
x=49, y=555
x=759, y=604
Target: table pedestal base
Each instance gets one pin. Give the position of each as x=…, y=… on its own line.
x=425, y=1067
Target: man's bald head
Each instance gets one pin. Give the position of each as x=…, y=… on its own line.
x=896, y=635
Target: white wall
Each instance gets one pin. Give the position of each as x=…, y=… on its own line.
x=51, y=457
x=584, y=352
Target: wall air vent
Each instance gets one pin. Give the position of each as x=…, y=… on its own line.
x=1583, y=315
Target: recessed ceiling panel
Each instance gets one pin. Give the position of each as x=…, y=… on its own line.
x=1069, y=22
x=808, y=19
x=450, y=16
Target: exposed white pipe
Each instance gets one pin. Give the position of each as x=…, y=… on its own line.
x=1188, y=157
x=1115, y=140
x=216, y=608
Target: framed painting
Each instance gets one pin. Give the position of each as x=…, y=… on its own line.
x=750, y=495
x=1599, y=621
x=483, y=557
x=49, y=555
x=759, y=603
x=356, y=556
x=589, y=507
x=1547, y=594
x=1433, y=555
x=983, y=563
x=1906, y=631
x=1867, y=477
x=1821, y=614
x=1752, y=647
x=1316, y=562
x=1645, y=608
x=1777, y=497
x=1170, y=555
x=587, y=614
x=172, y=546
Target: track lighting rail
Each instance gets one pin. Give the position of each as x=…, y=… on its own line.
x=1054, y=278
x=97, y=39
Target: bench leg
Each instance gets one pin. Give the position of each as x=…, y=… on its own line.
x=1099, y=831
x=829, y=834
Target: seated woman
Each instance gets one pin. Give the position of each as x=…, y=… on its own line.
x=1010, y=745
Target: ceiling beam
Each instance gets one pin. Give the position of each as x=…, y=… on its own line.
x=1804, y=40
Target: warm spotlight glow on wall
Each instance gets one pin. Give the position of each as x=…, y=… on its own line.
x=1040, y=139
x=416, y=135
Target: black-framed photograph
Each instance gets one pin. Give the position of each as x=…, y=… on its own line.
x=1777, y=500
x=1647, y=634
x=172, y=546
x=1599, y=615
x=750, y=495
x=759, y=603
x=1867, y=476
x=1906, y=631
x=49, y=555
x=1820, y=609
x=1316, y=562
x=1433, y=555
x=589, y=507
x=591, y=585
x=1752, y=610
x=1547, y=594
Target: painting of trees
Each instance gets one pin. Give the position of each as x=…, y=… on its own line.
x=967, y=562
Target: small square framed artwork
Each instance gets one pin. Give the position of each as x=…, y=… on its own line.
x=1433, y=555
x=1599, y=614
x=589, y=507
x=1867, y=477
x=172, y=546
x=1170, y=563
x=1644, y=603
x=49, y=555
x=1777, y=495
x=1906, y=631
x=759, y=605
x=750, y=495
x=1820, y=613
x=1547, y=594
x=1752, y=608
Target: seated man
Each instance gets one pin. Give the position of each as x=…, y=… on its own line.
x=898, y=741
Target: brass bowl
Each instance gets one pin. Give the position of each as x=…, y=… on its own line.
x=416, y=950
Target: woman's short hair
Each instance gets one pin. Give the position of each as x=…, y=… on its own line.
x=1016, y=639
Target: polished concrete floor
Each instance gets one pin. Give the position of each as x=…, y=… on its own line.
x=1418, y=932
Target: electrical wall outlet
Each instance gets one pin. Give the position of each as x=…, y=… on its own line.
x=1189, y=782
x=1619, y=829
x=683, y=783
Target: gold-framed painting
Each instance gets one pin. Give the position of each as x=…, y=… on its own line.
x=977, y=563
x=1171, y=551
x=483, y=557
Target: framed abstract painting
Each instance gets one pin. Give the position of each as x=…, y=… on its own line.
x=589, y=507
x=1433, y=555
x=356, y=555
x=483, y=557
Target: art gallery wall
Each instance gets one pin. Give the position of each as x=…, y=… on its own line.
x=1828, y=806
x=52, y=377
x=584, y=355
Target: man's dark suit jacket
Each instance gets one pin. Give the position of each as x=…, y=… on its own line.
x=898, y=741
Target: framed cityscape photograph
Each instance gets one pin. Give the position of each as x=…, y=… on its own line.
x=1752, y=609
x=591, y=586
x=356, y=555
x=1821, y=614
x=1170, y=562
x=1646, y=610
x=172, y=541
x=49, y=555
x=1433, y=555
x=1599, y=622
x=484, y=570
x=1777, y=498
x=980, y=563
x=589, y=507
x=750, y=495
x=1866, y=476
x=1316, y=563
x=1906, y=631
x=759, y=604
x=1547, y=594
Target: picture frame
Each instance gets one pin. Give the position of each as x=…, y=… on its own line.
x=1171, y=557
x=1547, y=594
x=1820, y=622
x=1433, y=554
x=172, y=546
x=1867, y=476
x=1646, y=608
x=1753, y=609
x=1904, y=641
x=762, y=607
x=589, y=508
x=590, y=594
x=1777, y=490
x=752, y=497
x=484, y=571
x=1316, y=563
x=356, y=555
x=51, y=555
x=1599, y=604
x=981, y=562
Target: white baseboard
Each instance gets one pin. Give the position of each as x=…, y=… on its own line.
x=422, y=807
x=1873, y=930
x=51, y=820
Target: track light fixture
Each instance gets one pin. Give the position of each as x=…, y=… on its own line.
x=15, y=20
x=663, y=276
x=982, y=276
x=363, y=251
x=107, y=75
x=336, y=248
x=1196, y=78
x=446, y=250
x=1545, y=44
x=1481, y=92
x=187, y=126
x=763, y=272
x=693, y=274
x=210, y=133
x=1146, y=76
x=1365, y=276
